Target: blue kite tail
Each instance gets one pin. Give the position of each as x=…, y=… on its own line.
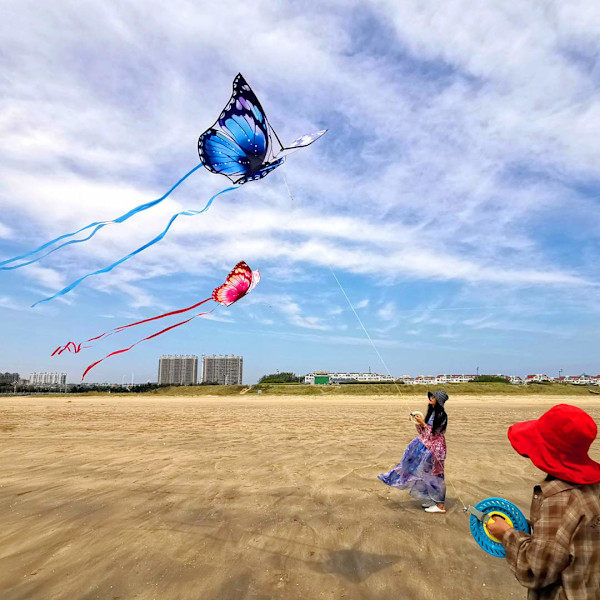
x=159, y=237
x=97, y=225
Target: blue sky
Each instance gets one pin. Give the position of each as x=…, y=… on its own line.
x=455, y=195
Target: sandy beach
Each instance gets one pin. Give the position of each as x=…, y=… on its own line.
x=212, y=498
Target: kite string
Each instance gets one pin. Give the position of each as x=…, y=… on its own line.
x=350, y=304
x=287, y=186
x=375, y=348
x=384, y=364
x=365, y=330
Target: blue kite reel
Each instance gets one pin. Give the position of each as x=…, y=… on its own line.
x=489, y=508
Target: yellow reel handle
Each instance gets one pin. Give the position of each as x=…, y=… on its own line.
x=492, y=515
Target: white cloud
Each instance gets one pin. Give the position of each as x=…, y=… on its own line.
x=293, y=312
x=10, y=303
x=6, y=232
x=50, y=279
x=387, y=312
x=217, y=317
x=116, y=168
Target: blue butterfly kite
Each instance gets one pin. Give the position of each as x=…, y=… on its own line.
x=241, y=145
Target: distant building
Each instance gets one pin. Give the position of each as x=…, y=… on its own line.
x=436, y=380
x=178, y=370
x=583, y=379
x=9, y=377
x=537, y=378
x=45, y=378
x=324, y=377
x=222, y=370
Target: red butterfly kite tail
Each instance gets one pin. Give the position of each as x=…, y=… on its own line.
x=90, y=367
x=61, y=349
x=75, y=348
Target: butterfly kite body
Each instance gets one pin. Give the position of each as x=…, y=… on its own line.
x=241, y=145
x=240, y=281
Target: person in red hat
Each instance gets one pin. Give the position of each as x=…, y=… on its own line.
x=560, y=559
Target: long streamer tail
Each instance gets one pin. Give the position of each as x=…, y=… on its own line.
x=75, y=348
x=97, y=226
x=159, y=237
x=90, y=367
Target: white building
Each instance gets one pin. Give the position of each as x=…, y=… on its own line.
x=540, y=377
x=582, y=379
x=222, y=370
x=454, y=378
x=46, y=378
x=424, y=380
x=178, y=370
x=349, y=377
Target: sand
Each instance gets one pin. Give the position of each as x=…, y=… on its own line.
x=248, y=498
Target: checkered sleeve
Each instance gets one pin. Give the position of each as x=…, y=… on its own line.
x=538, y=560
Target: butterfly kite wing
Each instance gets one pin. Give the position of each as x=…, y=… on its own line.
x=305, y=140
x=255, y=280
x=241, y=144
x=239, y=282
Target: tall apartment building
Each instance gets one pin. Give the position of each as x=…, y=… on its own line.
x=178, y=370
x=44, y=378
x=223, y=370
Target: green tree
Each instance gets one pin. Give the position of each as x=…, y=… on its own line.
x=281, y=378
x=490, y=379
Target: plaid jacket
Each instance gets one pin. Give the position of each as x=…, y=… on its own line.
x=560, y=560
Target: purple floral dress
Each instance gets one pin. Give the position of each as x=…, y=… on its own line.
x=421, y=469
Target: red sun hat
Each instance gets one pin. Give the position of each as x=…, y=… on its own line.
x=558, y=443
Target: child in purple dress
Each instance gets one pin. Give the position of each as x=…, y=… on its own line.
x=421, y=469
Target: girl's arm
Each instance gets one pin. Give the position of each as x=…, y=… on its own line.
x=422, y=427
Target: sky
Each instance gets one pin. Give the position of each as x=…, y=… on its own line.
x=455, y=195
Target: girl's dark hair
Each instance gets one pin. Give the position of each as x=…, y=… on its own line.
x=440, y=419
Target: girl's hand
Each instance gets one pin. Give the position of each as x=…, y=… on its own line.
x=420, y=421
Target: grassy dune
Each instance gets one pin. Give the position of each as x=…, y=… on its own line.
x=483, y=389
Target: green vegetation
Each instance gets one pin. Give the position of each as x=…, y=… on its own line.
x=370, y=389
x=385, y=389
x=281, y=378
x=138, y=388
x=200, y=390
x=490, y=379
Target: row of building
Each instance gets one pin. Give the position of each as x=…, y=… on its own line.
x=325, y=377
x=514, y=379
x=172, y=370
x=228, y=370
